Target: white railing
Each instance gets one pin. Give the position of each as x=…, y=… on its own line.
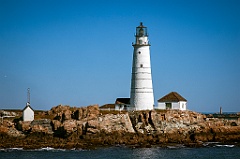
x=6, y=117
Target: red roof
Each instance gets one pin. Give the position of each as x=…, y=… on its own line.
x=106, y=106
x=122, y=101
x=172, y=97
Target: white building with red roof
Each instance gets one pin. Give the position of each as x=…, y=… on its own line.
x=172, y=100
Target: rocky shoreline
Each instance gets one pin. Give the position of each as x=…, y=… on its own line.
x=65, y=127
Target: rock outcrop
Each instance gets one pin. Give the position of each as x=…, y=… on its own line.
x=71, y=127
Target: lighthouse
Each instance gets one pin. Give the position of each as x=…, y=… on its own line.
x=141, y=97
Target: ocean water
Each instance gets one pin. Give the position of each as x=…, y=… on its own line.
x=217, y=151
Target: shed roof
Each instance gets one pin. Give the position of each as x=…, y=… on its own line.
x=27, y=107
x=172, y=97
x=106, y=106
x=122, y=101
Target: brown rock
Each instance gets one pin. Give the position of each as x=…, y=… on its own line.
x=80, y=113
x=56, y=124
x=15, y=133
x=93, y=124
x=111, y=123
x=70, y=126
x=93, y=112
x=8, y=123
x=3, y=129
x=24, y=126
x=66, y=115
x=43, y=126
x=58, y=109
x=83, y=127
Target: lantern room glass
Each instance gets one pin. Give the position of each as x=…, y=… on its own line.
x=141, y=31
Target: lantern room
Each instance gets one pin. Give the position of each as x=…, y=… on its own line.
x=141, y=31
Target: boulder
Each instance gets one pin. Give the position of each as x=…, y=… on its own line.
x=24, y=126
x=3, y=129
x=56, y=124
x=58, y=109
x=43, y=126
x=70, y=126
x=66, y=115
x=93, y=111
x=63, y=113
x=80, y=113
x=15, y=133
x=111, y=123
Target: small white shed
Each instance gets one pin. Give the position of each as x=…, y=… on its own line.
x=172, y=100
x=28, y=113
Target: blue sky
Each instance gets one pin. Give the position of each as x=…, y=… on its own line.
x=79, y=52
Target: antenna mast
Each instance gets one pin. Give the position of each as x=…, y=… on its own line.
x=28, y=96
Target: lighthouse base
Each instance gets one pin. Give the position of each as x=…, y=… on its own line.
x=141, y=101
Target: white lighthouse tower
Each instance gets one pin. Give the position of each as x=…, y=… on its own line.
x=141, y=85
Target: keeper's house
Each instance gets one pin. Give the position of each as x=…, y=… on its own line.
x=122, y=104
x=172, y=100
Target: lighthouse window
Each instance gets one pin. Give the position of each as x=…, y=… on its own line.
x=141, y=65
x=139, y=52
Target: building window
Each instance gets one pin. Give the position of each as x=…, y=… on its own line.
x=141, y=65
x=168, y=105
